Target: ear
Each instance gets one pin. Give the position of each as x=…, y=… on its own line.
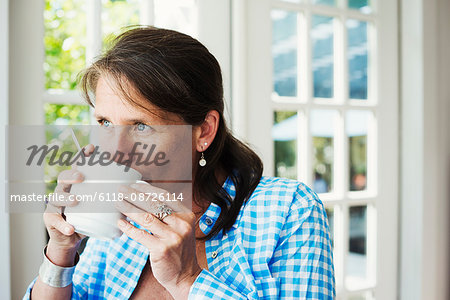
x=206, y=132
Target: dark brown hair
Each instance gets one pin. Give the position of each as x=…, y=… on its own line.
x=177, y=74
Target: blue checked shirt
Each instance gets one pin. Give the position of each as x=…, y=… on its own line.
x=278, y=248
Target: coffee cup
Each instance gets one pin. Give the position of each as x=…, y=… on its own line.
x=95, y=215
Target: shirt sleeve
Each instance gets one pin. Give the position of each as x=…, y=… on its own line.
x=83, y=278
x=303, y=259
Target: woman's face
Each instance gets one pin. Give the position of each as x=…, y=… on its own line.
x=160, y=145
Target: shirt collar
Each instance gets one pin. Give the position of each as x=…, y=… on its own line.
x=210, y=216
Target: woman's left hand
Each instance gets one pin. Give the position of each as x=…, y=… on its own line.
x=172, y=247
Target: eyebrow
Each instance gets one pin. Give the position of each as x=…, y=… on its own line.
x=101, y=117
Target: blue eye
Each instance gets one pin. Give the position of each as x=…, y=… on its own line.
x=142, y=127
x=105, y=123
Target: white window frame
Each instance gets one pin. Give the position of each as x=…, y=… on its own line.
x=257, y=123
x=5, y=280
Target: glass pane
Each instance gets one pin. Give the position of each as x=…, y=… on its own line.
x=322, y=132
x=362, y=5
x=357, y=59
x=357, y=256
x=64, y=42
x=284, y=134
x=284, y=52
x=357, y=123
x=180, y=15
x=322, y=55
x=330, y=215
x=116, y=14
x=324, y=2
x=60, y=114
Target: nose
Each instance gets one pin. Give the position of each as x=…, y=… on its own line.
x=119, y=143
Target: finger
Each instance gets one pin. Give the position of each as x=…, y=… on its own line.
x=152, y=196
x=80, y=155
x=56, y=221
x=68, y=177
x=52, y=209
x=145, y=219
x=168, y=195
x=149, y=241
x=181, y=223
x=61, y=198
x=152, y=206
x=88, y=149
x=143, y=201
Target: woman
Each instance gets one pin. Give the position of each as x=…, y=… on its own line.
x=247, y=237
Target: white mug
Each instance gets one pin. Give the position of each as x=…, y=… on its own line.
x=100, y=182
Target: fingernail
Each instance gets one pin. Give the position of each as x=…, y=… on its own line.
x=122, y=223
x=76, y=174
x=67, y=230
x=142, y=181
x=135, y=186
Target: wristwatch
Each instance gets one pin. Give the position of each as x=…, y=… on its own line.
x=56, y=276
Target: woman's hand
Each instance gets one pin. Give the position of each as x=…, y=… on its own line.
x=172, y=248
x=64, y=241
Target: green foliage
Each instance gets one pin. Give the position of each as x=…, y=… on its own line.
x=285, y=151
x=323, y=159
x=64, y=42
x=66, y=114
x=279, y=116
x=358, y=159
x=116, y=15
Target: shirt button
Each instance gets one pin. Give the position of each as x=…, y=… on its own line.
x=208, y=221
x=214, y=254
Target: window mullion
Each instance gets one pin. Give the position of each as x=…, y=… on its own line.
x=302, y=146
x=94, y=36
x=304, y=57
x=147, y=12
x=340, y=247
x=63, y=97
x=93, y=30
x=304, y=143
x=371, y=244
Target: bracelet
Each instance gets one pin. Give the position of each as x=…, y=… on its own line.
x=56, y=276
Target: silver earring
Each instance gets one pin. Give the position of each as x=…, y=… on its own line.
x=202, y=161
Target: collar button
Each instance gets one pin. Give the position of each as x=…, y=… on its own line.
x=208, y=221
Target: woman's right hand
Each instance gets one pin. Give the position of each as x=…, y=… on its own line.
x=64, y=241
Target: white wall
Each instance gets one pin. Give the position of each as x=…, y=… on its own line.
x=425, y=208
x=26, y=88
x=5, y=288
x=214, y=31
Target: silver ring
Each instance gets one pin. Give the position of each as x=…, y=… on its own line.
x=163, y=211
